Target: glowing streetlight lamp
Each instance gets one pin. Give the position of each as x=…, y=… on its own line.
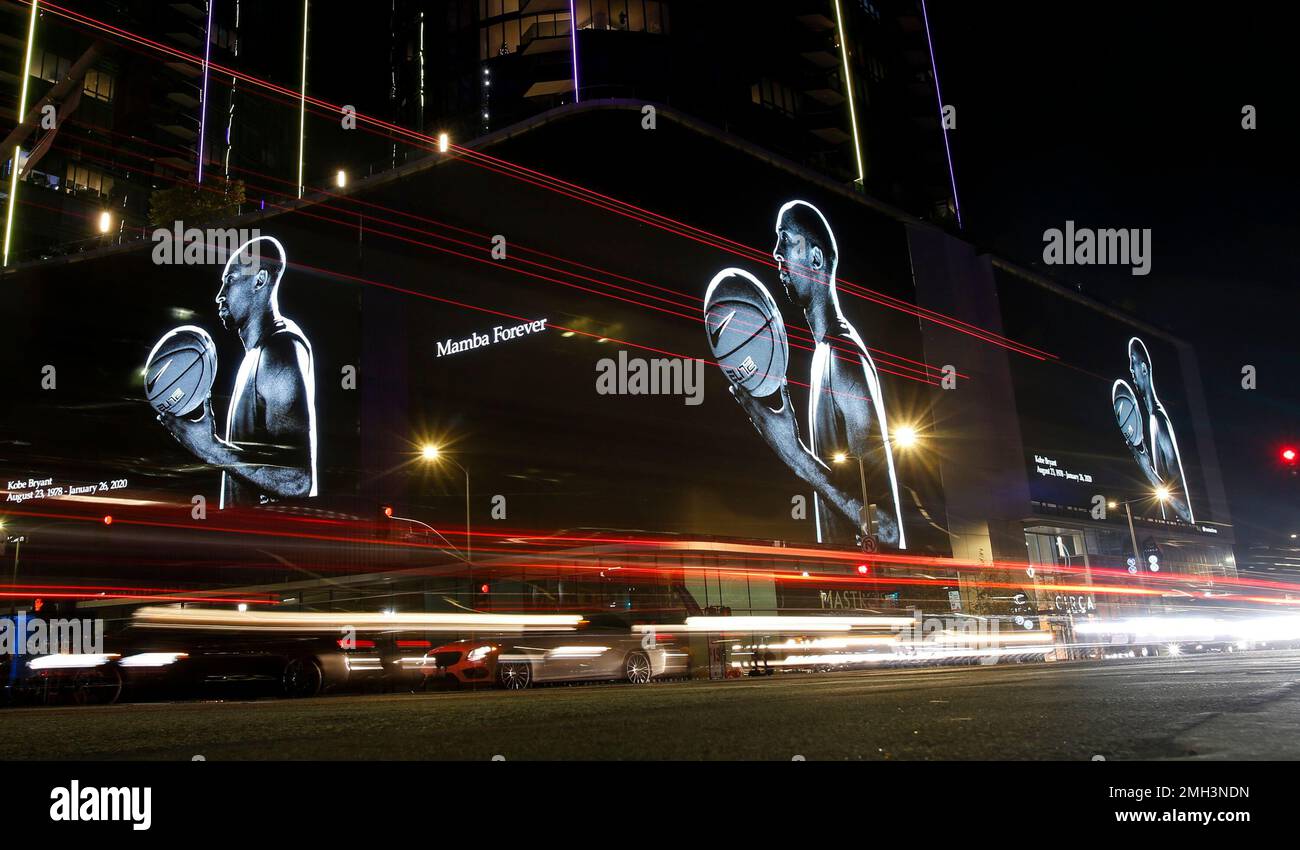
x=105, y=221
x=905, y=437
x=341, y=179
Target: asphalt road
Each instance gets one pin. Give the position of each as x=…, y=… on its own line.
x=1244, y=706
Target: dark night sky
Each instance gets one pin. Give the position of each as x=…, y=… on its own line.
x=1129, y=115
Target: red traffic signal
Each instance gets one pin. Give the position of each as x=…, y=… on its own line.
x=484, y=588
x=863, y=569
x=1288, y=455
x=388, y=510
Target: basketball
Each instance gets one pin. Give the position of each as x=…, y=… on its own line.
x=180, y=370
x=746, y=333
x=1127, y=413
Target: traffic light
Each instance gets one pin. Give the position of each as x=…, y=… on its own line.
x=484, y=588
x=1289, y=456
x=863, y=569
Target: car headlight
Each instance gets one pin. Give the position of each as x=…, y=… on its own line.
x=477, y=654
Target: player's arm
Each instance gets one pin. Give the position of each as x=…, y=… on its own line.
x=781, y=431
x=283, y=467
x=1175, y=484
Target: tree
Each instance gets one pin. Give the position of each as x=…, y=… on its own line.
x=194, y=204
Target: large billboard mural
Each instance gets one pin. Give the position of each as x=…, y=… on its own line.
x=1107, y=420
x=572, y=361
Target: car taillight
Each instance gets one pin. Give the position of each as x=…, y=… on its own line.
x=355, y=643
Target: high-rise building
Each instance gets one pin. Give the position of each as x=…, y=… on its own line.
x=845, y=87
x=145, y=100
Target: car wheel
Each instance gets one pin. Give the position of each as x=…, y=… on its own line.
x=514, y=675
x=97, y=687
x=302, y=678
x=636, y=669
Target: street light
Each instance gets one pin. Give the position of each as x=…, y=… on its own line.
x=867, y=524
x=432, y=454
x=1161, y=494
x=18, y=540
x=905, y=437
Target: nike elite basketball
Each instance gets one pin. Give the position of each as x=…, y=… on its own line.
x=180, y=370
x=1127, y=413
x=746, y=333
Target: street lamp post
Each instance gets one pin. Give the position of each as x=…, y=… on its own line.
x=865, y=520
x=18, y=541
x=1161, y=494
x=904, y=438
x=1132, y=535
x=433, y=453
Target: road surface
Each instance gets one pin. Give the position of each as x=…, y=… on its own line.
x=1243, y=706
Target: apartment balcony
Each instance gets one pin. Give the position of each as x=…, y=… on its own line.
x=546, y=37
x=816, y=15
x=543, y=88
x=830, y=126
x=532, y=7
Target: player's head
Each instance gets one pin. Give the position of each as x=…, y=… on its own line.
x=249, y=281
x=805, y=252
x=1139, y=365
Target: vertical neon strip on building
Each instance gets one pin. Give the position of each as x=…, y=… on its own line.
x=934, y=68
x=573, y=37
x=203, y=107
x=302, y=100
x=848, y=87
x=18, y=146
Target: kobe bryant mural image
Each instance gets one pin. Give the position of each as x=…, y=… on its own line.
x=846, y=410
x=268, y=451
x=1149, y=433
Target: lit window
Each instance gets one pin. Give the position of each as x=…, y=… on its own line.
x=83, y=179
x=99, y=85
x=50, y=67
x=655, y=17
x=775, y=96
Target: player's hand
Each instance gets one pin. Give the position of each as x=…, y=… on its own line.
x=198, y=437
x=778, y=427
